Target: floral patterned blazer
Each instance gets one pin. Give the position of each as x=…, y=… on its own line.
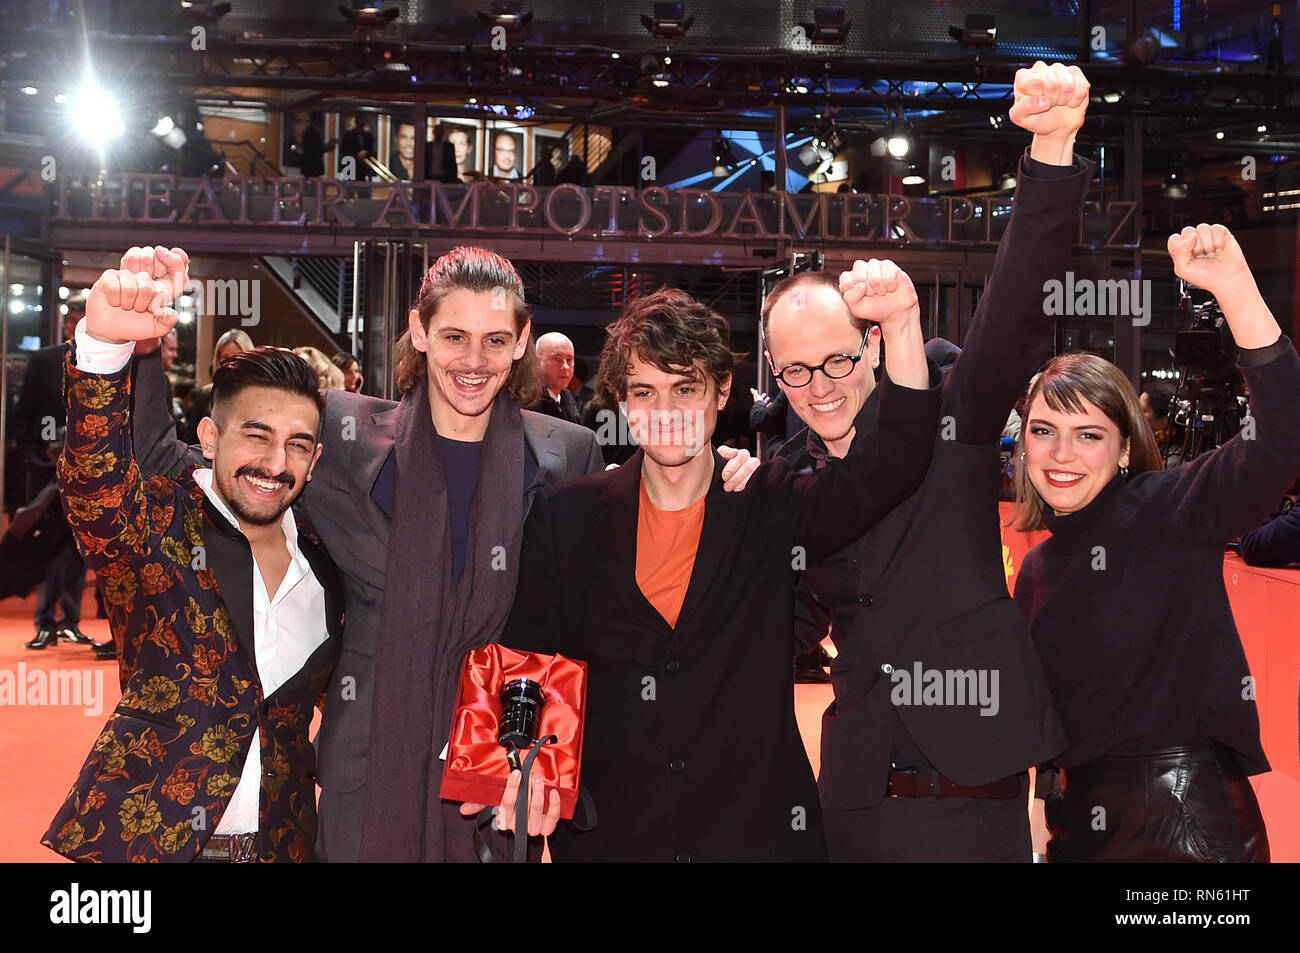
x=178, y=588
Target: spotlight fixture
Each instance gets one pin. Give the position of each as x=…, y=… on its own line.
x=829, y=27
x=654, y=71
x=205, y=13
x=370, y=16
x=898, y=138
x=1005, y=180
x=506, y=13
x=724, y=162
x=914, y=176
x=824, y=145
x=979, y=32
x=669, y=22
x=1175, y=186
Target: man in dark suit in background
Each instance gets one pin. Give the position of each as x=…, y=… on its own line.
x=908, y=774
x=38, y=426
x=555, y=355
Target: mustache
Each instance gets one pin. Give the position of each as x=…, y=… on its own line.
x=261, y=474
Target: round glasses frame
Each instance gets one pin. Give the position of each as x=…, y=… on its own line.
x=835, y=372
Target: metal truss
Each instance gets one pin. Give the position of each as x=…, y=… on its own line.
x=692, y=82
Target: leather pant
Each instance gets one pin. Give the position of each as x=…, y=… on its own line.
x=1190, y=803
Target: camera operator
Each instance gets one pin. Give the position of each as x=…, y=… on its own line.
x=1276, y=543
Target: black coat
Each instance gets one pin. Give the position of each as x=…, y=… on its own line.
x=928, y=584
x=691, y=748
x=566, y=409
x=40, y=396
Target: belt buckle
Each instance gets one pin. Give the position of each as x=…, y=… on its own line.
x=933, y=781
x=926, y=783
x=243, y=848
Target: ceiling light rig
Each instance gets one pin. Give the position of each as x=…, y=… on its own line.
x=829, y=27
x=508, y=14
x=669, y=22
x=369, y=18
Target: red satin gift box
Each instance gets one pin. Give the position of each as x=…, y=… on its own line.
x=476, y=768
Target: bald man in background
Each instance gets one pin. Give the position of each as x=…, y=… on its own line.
x=555, y=354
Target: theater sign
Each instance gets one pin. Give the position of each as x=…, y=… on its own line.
x=613, y=223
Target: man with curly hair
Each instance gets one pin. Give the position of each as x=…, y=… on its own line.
x=227, y=609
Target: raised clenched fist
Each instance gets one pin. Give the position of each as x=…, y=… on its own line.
x=129, y=306
x=1051, y=101
x=878, y=290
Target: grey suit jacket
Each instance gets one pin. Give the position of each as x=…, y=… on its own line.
x=358, y=437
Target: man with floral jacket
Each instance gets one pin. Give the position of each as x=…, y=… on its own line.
x=229, y=610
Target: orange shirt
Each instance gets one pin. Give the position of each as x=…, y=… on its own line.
x=666, y=543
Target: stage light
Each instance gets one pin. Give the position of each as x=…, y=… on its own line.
x=1219, y=134
x=1005, y=180
x=669, y=22
x=370, y=17
x=914, y=176
x=978, y=33
x=809, y=153
x=60, y=98
x=829, y=26
x=898, y=138
x=94, y=116
x=724, y=162
x=29, y=90
x=507, y=13
x=164, y=125
x=1175, y=186
x=205, y=13
x=652, y=70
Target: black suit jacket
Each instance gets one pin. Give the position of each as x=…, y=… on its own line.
x=566, y=409
x=40, y=396
x=927, y=585
x=691, y=749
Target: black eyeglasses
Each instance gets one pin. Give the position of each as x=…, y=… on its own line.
x=834, y=367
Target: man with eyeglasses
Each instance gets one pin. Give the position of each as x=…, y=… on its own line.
x=941, y=703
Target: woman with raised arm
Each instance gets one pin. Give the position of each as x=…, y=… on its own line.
x=1126, y=601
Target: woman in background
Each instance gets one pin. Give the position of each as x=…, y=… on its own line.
x=330, y=377
x=1126, y=601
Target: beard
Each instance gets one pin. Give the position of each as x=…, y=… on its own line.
x=232, y=497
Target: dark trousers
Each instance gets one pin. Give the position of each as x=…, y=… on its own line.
x=930, y=829
x=1190, y=803
x=65, y=580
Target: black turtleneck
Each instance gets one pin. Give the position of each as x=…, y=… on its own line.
x=1126, y=601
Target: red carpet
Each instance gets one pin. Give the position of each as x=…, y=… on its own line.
x=43, y=741
x=43, y=745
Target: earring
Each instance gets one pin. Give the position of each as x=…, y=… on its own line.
x=1022, y=456
x=1123, y=473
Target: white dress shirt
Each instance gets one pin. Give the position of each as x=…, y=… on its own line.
x=287, y=626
